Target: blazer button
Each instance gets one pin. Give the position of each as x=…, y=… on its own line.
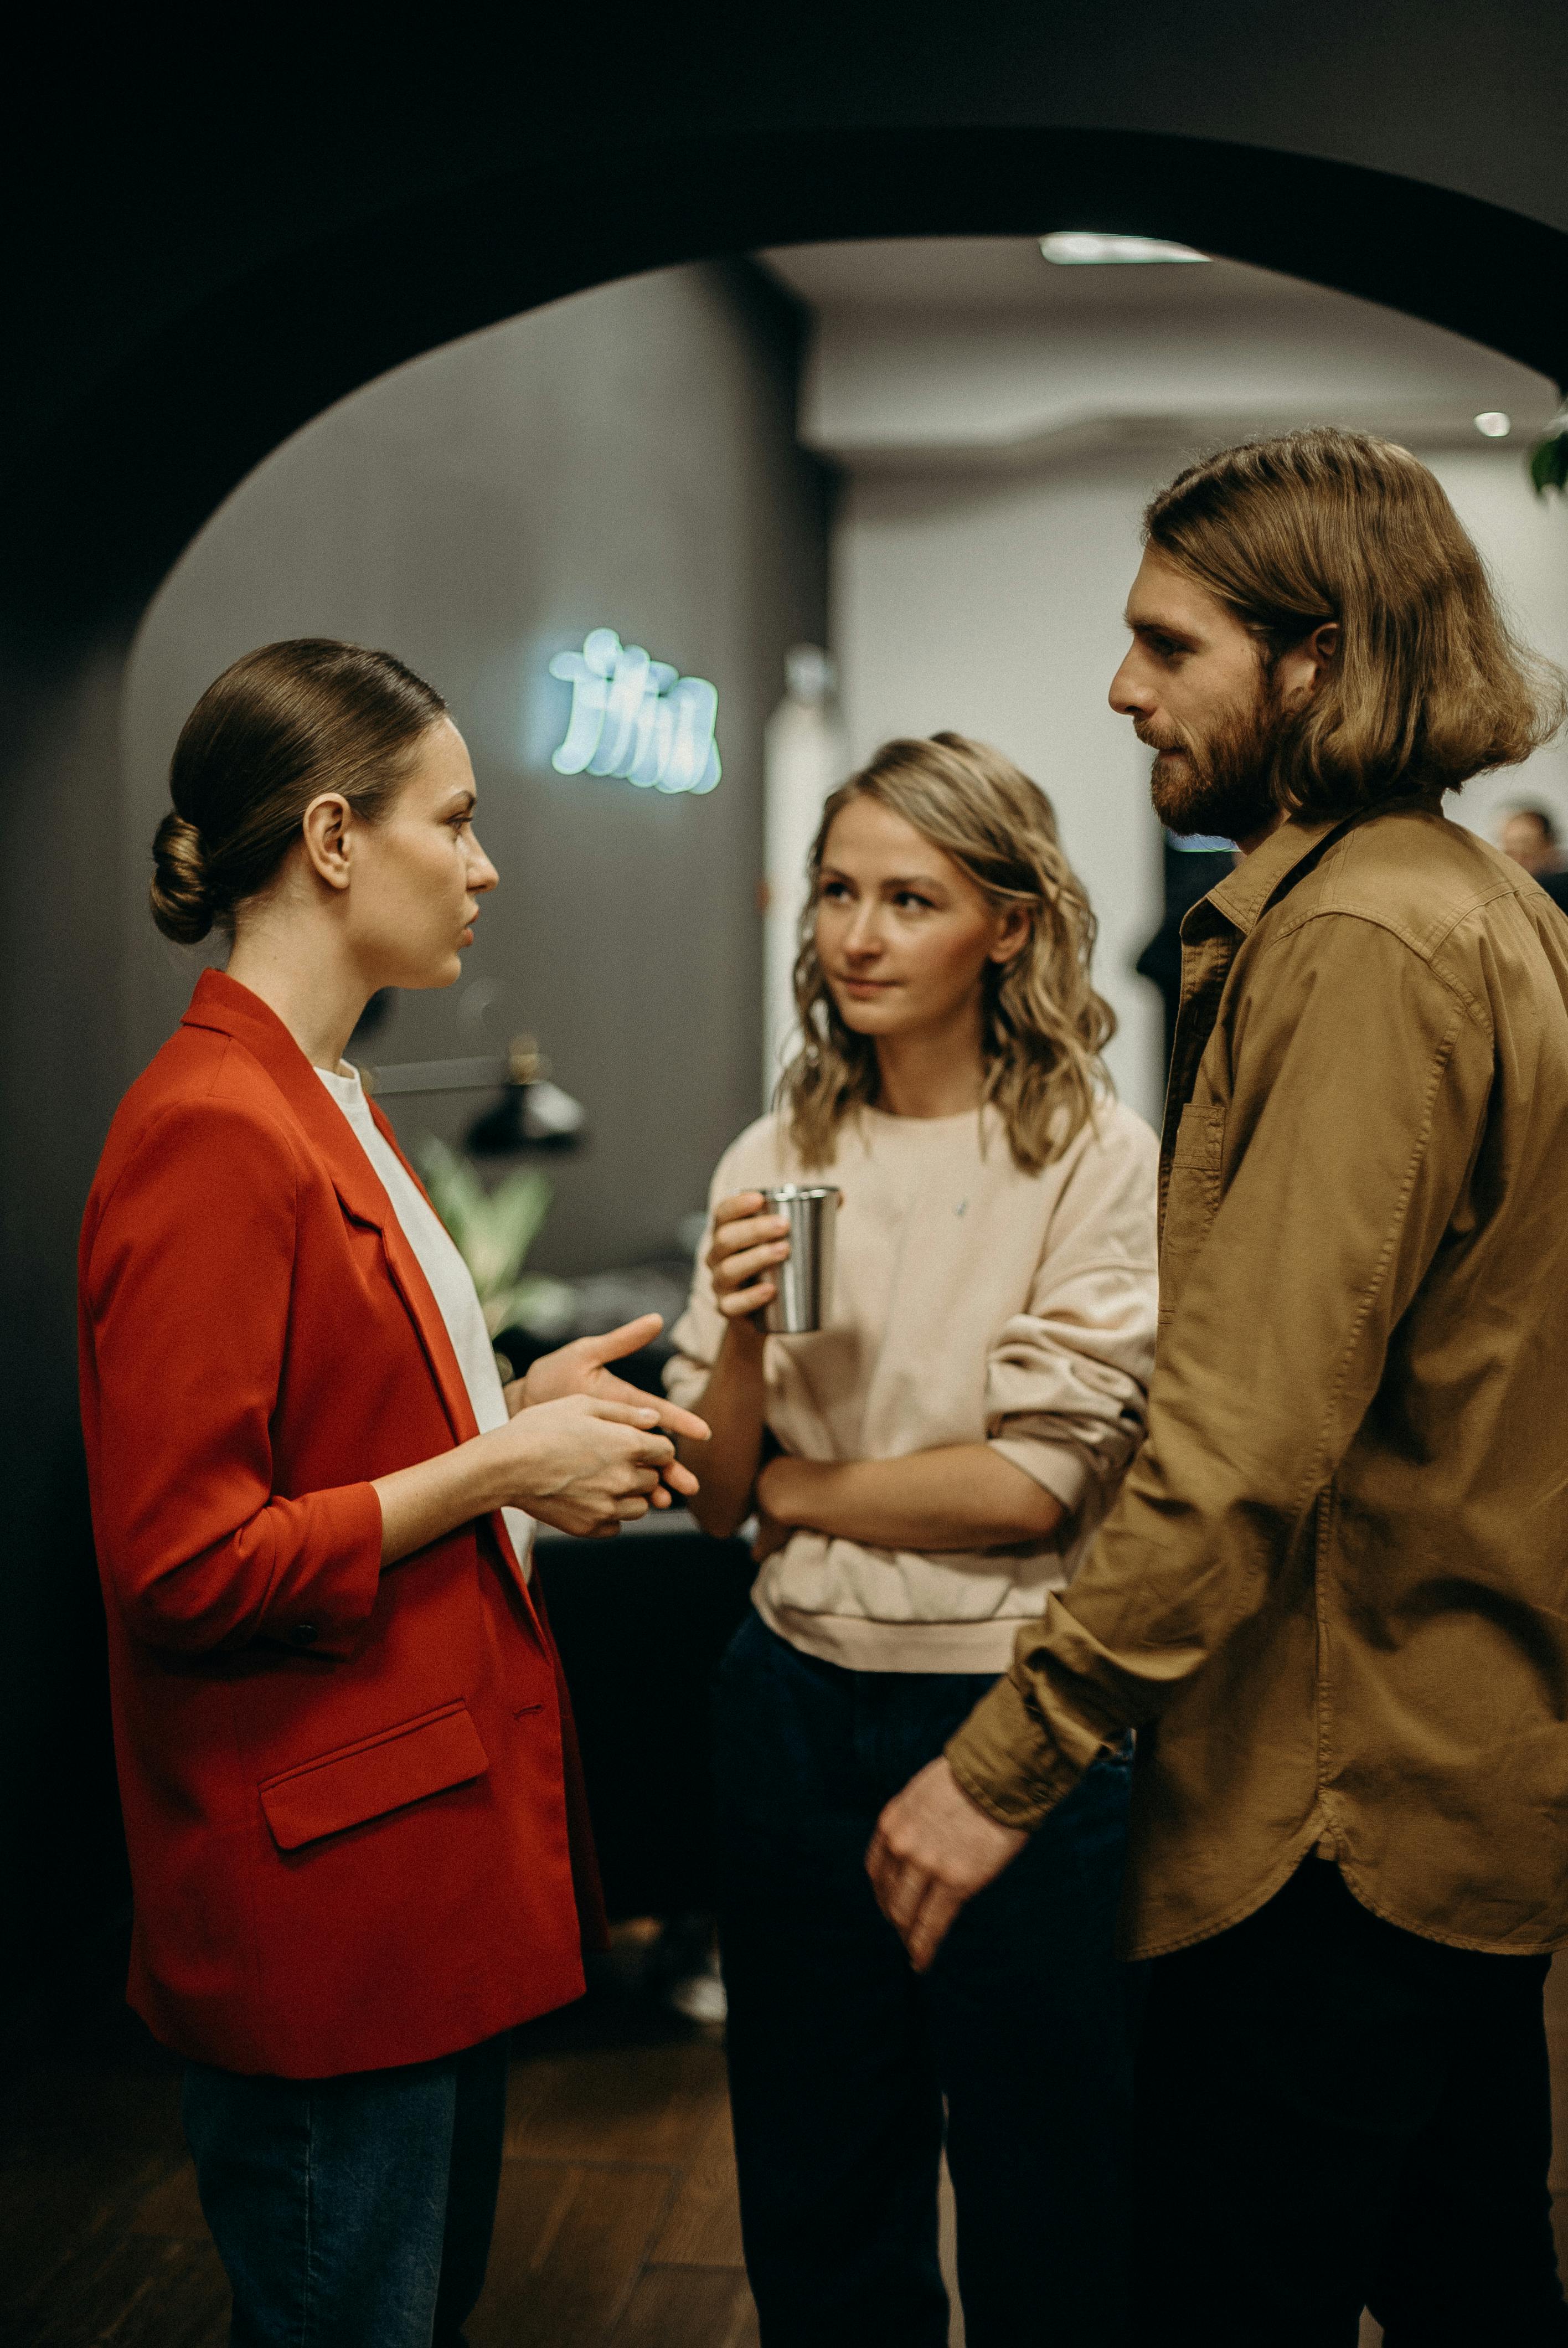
x=304, y=1634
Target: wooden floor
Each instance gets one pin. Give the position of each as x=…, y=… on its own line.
x=618, y=2225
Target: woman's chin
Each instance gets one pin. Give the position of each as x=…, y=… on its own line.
x=878, y=1018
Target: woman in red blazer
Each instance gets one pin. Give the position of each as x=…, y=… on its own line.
x=344, y=1751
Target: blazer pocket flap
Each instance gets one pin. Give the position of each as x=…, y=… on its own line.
x=378, y=1774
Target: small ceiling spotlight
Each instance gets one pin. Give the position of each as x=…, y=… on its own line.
x=1494, y=425
x=1088, y=248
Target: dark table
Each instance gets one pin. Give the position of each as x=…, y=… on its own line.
x=642, y=1622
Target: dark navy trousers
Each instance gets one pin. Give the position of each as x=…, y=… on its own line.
x=842, y=2060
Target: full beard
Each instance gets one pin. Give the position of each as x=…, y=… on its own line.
x=1219, y=784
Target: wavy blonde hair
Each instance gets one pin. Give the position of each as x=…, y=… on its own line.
x=1044, y=1026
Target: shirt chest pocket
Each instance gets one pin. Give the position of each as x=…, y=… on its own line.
x=1192, y=1195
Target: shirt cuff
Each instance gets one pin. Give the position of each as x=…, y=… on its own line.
x=1007, y=1763
x=1056, y=1468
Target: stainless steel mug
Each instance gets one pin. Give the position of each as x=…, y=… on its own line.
x=803, y=1281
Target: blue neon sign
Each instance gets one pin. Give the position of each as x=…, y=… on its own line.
x=636, y=717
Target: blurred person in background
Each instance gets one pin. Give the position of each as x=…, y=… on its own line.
x=1530, y=834
x=1333, y=1594
x=924, y=1469
x=357, y=1840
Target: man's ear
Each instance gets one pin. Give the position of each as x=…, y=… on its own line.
x=1324, y=645
x=1298, y=673
x=326, y=830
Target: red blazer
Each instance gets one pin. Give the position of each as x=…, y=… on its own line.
x=345, y=1790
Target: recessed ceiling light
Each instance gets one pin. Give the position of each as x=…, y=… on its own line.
x=1089, y=248
x=1495, y=424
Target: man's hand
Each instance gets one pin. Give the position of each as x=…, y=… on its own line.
x=933, y=1849
x=581, y=1368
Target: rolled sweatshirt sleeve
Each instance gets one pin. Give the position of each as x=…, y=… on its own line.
x=1345, y=1144
x=186, y=1287
x=1067, y=1379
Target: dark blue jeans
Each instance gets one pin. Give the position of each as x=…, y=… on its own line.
x=841, y=2057
x=352, y=2213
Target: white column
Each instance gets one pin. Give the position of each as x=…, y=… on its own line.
x=804, y=756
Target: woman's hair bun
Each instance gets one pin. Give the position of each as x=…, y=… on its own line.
x=181, y=889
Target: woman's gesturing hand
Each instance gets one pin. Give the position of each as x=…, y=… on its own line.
x=582, y=1368
x=748, y=1246
x=584, y=1465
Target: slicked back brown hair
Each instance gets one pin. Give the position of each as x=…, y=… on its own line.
x=275, y=731
x=1429, y=685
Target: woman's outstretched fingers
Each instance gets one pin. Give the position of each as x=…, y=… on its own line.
x=629, y=1338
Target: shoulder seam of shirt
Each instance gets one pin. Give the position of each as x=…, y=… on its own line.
x=1424, y=953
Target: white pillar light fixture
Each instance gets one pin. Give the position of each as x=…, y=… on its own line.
x=637, y=718
x=1087, y=248
x=1494, y=425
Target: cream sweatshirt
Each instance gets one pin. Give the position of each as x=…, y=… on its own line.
x=971, y=1303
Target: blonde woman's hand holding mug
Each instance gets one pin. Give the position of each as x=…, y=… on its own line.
x=748, y=1246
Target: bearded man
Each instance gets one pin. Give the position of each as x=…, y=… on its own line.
x=1332, y=1598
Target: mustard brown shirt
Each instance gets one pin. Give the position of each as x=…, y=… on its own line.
x=1333, y=1593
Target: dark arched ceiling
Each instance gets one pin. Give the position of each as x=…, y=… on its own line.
x=210, y=271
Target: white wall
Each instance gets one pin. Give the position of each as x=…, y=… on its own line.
x=993, y=605
x=1524, y=541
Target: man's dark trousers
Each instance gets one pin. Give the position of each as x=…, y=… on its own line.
x=1333, y=2112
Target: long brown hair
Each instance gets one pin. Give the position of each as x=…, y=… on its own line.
x=275, y=731
x=1044, y=1026
x=1429, y=687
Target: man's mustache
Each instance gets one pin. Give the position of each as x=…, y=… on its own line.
x=1151, y=740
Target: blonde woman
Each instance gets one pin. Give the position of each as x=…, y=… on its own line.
x=923, y=1470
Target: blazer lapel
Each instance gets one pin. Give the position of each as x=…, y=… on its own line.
x=520, y=1570
x=221, y=1002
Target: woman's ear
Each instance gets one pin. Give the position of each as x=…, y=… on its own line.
x=1012, y=934
x=326, y=830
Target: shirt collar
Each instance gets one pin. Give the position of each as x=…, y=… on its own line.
x=1243, y=895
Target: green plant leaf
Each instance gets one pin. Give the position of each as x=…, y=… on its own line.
x=494, y=1230
x=545, y=1307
